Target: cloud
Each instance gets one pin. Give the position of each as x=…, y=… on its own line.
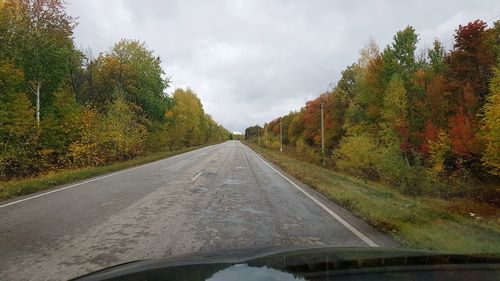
x=252, y=61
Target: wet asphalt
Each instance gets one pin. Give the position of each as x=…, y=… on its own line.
x=215, y=198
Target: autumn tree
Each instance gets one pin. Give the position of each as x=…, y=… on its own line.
x=94, y=110
x=490, y=129
x=399, y=117
x=61, y=126
x=38, y=38
x=122, y=134
x=296, y=127
x=130, y=68
x=394, y=113
x=311, y=118
x=470, y=66
x=364, y=109
x=439, y=149
x=188, y=118
x=436, y=101
x=252, y=133
x=18, y=132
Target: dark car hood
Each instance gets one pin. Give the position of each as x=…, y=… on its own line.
x=299, y=263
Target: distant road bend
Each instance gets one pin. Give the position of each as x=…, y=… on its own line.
x=218, y=197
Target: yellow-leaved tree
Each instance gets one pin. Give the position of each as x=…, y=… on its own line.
x=490, y=130
x=188, y=118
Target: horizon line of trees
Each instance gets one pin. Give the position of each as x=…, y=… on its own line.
x=61, y=107
x=427, y=123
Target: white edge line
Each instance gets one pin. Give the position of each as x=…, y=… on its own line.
x=332, y=213
x=77, y=184
x=197, y=175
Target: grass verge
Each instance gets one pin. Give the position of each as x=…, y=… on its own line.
x=458, y=225
x=14, y=188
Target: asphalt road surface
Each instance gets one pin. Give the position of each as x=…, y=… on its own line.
x=218, y=197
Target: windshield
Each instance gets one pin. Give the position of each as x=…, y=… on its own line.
x=133, y=130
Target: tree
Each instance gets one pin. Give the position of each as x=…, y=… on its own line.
x=38, y=39
x=399, y=59
x=356, y=156
x=130, y=68
x=470, y=66
x=463, y=138
x=295, y=128
x=252, y=133
x=188, y=118
x=311, y=119
x=490, y=129
x=439, y=151
x=364, y=109
x=18, y=131
x=396, y=116
x=335, y=108
x=436, y=105
x=346, y=86
x=86, y=151
x=95, y=110
x=402, y=54
x=395, y=103
x=430, y=135
x=122, y=136
x=62, y=124
x=395, y=111
x=436, y=57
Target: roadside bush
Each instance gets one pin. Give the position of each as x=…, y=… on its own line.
x=439, y=152
x=390, y=165
x=306, y=152
x=121, y=134
x=61, y=126
x=117, y=135
x=356, y=156
x=360, y=156
x=160, y=138
x=275, y=144
x=86, y=151
x=19, y=162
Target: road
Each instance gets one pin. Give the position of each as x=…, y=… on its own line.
x=218, y=197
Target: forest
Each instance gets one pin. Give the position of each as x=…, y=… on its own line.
x=426, y=122
x=62, y=107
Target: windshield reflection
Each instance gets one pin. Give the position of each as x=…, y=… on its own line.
x=243, y=272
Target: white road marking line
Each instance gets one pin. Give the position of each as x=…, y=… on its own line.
x=332, y=213
x=76, y=184
x=197, y=175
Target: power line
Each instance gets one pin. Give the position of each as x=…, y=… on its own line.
x=486, y=21
x=492, y=18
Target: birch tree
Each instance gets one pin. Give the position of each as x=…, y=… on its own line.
x=38, y=37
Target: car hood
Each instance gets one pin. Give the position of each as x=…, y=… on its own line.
x=286, y=263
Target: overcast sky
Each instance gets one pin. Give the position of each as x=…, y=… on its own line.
x=252, y=61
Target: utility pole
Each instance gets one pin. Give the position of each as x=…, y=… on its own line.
x=258, y=134
x=38, y=104
x=37, y=95
x=322, y=135
x=281, y=136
